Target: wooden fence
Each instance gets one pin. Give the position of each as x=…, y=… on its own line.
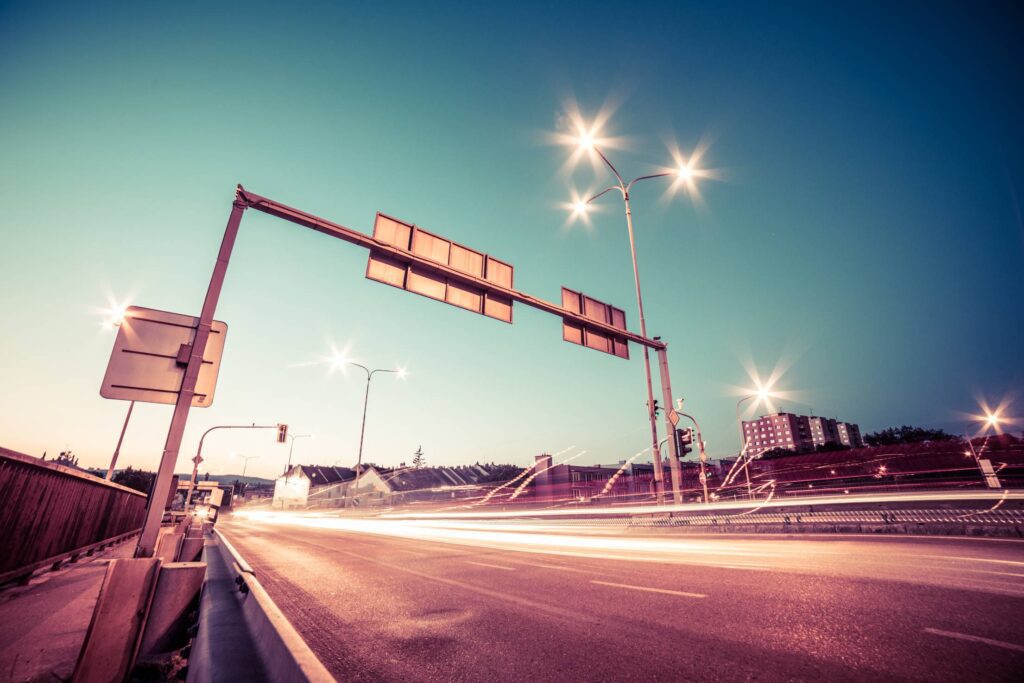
x=48, y=511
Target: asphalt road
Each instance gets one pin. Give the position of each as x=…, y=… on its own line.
x=532, y=602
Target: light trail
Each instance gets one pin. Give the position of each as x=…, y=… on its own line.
x=526, y=482
x=847, y=501
x=519, y=476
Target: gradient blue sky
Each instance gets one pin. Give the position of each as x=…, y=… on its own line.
x=866, y=232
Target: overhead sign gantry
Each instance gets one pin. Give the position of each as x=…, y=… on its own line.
x=404, y=256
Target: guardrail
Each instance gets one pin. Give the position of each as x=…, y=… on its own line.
x=50, y=512
x=283, y=652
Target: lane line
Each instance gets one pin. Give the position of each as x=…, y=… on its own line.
x=649, y=590
x=492, y=566
x=975, y=639
x=972, y=559
x=558, y=567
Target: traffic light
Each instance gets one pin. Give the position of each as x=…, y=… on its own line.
x=282, y=433
x=657, y=408
x=684, y=438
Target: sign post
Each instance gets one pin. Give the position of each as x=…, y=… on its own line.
x=155, y=510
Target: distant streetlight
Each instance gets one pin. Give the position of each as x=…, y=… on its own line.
x=292, y=447
x=246, y=458
x=113, y=317
x=339, y=361
x=762, y=394
x=685, y=173
x=990, y=420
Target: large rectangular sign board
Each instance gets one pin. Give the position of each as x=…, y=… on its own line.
x=145, y=364
x=592, y=337
x=414, y=278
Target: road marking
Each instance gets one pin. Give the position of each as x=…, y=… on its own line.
x=492, y=566
x=554, y=566
x=976, y=639
x=972, y=559
x=649, y=590
x=752, y=567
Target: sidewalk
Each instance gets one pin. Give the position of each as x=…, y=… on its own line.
x=43, y=624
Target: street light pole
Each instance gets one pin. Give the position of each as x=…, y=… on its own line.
x=362, y=429
x=292, y=448
x=739, y=425
x=247, y=458
x=624, y=188
x=117, y=449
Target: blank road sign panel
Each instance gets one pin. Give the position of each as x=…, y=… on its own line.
x=470, y=294
x=598, y=311
x=143, y=365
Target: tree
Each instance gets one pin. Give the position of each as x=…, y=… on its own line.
x=66, y=458
x=906, y=434
x=777, y=453
x=829, y=447
x=135, y=479
x=418, y=459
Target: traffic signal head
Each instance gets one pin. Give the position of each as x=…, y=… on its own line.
x=684, y=438
x=655, y=407
x=282, y=433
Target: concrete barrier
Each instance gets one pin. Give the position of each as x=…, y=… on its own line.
x=285, y=655
x=112, y=640
x=168, y=544
x=177, y=590
x=191, y=548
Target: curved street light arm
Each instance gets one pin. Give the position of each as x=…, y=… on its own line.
x=609, y=164
x=606, y=191
x=634, y=181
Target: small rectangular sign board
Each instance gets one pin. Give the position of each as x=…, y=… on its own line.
x=592, y=337
x=990, y=474
x=144, y=363
x=476, y=266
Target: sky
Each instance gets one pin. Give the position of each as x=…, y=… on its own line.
x=858, y=237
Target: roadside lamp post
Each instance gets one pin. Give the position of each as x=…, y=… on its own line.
x=340, y=362
x=685, y=173
x=989, y=421
x=292, y=448
x=246, y=458
x=115, y=316
x=761, y=395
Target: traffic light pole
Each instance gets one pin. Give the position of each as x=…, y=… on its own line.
x=670, y=429
x=703, y=455
x=199, y=455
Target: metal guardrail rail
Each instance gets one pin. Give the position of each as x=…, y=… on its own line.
x=284, y=653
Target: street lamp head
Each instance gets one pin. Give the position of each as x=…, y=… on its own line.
x=338, y=361
x=114, y=315
x=685, y=172
x=402, y=372
x=585, y=140
x=579, y=208
x=992, y=420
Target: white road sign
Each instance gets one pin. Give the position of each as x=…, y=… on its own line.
x=150, y=354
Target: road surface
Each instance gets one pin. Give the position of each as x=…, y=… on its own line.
x=380, y=600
